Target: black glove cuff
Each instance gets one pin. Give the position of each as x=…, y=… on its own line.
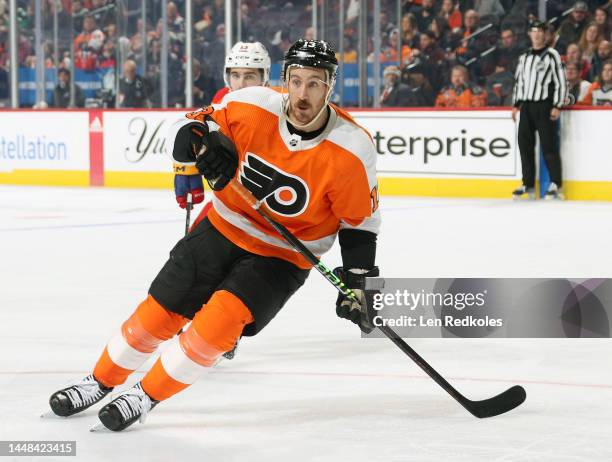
x=356, y=280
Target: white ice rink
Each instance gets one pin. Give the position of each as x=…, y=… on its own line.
x=74, y=263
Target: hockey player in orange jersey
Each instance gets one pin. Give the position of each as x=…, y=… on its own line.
x=314, y=169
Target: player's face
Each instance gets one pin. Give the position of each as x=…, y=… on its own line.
x=307, y=92
x=240, y=77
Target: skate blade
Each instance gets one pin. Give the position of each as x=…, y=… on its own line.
x=49, y=415
x=99, y=428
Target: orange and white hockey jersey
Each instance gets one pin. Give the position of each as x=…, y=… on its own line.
x=313, y=187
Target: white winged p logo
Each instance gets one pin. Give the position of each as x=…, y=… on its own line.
x=282, y=192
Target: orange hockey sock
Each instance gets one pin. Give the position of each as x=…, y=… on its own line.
x=214, y=330
x=139, y=337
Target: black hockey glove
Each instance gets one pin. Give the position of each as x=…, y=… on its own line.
x=359, y=313
x=217, y=160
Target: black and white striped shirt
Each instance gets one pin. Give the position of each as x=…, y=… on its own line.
x=540, y=76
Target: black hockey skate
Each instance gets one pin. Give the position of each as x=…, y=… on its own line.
x=553, y=193
x=128, y=407
x=78, y=397
x=523, y=193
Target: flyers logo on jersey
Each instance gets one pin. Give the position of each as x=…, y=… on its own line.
x=282, y=192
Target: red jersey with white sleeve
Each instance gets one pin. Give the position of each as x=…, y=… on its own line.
x=219, y=95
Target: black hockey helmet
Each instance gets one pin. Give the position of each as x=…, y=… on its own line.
x=311, y=53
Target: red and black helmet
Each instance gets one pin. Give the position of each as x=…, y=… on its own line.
x=311, y=53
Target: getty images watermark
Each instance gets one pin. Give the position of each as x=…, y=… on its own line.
x=411, y=301
x=491, y=307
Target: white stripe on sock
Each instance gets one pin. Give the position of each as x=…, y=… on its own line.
x=179, y=366
x=124, y=355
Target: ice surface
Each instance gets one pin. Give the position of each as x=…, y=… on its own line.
x=74, y=263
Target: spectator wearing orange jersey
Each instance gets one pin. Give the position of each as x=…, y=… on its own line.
x=389, y=52
x=460, y=93
x=600, y=92
x=578, y=88
x=89, y=25
x=451, y=15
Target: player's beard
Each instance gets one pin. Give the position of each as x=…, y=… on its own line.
x=303, y=112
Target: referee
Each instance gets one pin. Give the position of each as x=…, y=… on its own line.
x=540, y=91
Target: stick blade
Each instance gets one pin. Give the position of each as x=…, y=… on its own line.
x=500, y=404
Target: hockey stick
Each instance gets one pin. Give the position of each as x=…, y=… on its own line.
x=188, y=208
x=496, y=405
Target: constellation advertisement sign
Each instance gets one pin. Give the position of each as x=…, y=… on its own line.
x=41, y=141
x=497, y=308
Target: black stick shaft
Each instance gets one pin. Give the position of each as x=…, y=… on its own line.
x=430, y=371
x=188, y=208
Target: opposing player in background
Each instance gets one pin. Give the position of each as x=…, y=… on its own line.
x=314, y=169
x=247, y=65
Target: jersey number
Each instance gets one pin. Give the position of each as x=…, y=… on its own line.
x=374, y=198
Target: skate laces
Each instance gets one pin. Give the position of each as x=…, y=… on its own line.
x=133, y=403
x=84, y=392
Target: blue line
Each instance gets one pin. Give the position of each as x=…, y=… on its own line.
x=93, y=225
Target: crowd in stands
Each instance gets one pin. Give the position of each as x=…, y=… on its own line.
x=443, y=53
x=465, y=54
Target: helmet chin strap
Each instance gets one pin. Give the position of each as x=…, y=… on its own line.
x=305, y=127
